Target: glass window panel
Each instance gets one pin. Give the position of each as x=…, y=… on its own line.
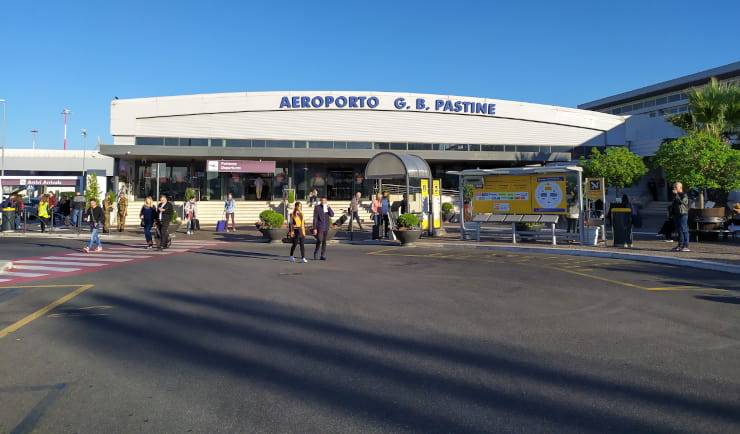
x=617, y=110
x=527, y=148
x=382, y=145
x=683, y=96
x=674, y=98
x=340, y=145
x=198, y=142
x=238, y=143
x=637, y=106
x=171, y=141
x=279, y=144
x=659, y=101
x=184, y=142
x=474, y=148
x=420, y=146
x=398, y=146
x=492, y=148
x=217, y=143
x=359, y=145
x=149, y=141
x=321, y=145
x=258, y=143
x=649, y=103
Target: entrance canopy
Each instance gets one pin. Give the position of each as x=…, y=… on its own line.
x=388, y=165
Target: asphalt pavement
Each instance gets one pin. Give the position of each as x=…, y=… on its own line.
x=233, y=338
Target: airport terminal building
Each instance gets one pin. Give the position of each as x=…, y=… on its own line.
x=239, y=142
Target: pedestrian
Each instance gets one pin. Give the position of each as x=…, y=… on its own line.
x=313, y=197
x=258, y=184
x=375, y=209
x=78, y=207
x=297, y=232
x=229, y=209
x=630, y=220
x=322, y=215
x=572, y=217
x=20, y=208
x=405, y=204
x=95, y=217
x=148, y=216
x=122, y=211
x=680, y=212
x=165, y=211
x=385, y=209
x=190, y=211
x=354, y=210
x=43, y=212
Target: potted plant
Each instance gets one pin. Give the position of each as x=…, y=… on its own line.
x=408, y=230
x=447, y=210
x=271, y=226
x=528, y=227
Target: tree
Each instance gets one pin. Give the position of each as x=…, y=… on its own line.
x=700, y=160
x=714, y=109
x=618, y=166
x=93, y=190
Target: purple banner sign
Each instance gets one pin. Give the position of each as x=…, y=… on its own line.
x=241, y=166
x=39, y=180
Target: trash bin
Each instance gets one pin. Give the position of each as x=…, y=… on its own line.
x=621, y=219
x=8, y=224
x=591, y=235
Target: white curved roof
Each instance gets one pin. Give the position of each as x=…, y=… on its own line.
x=264, y=115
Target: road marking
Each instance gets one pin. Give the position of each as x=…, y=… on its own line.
x=381, y=251
x=685, y=288
x=43, y=268
x=605, y=279
x=85, y=255
x=20, y=274
x=71, y=262
x=43, y=311
x=109, y=255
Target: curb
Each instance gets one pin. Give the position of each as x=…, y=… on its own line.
x=665, y=260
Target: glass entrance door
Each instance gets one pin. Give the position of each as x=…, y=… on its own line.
x=339, y=184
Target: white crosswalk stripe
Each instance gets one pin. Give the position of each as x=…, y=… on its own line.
x=107, y=255
x=77, y=256
x=71, y=263
x=20, y=274
x=5, y=280
x=43, y=268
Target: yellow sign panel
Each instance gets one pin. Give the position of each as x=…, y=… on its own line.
x=437, y=203
x=521, y=194
x=549, y=194
x=425, y=202
x=595, y=188
x=505, y=194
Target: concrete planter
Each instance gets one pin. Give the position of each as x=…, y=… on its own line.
x=407, y=236
x=274, y=235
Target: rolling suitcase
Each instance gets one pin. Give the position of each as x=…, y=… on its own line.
x=196, y=225
x=376, y=232
x=221, y=226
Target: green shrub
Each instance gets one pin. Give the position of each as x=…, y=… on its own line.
x=189, y=193
x=447, y=208
x=291, y=196
x=271, y=219
x=408, y=221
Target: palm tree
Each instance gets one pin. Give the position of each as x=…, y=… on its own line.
x=707, y=107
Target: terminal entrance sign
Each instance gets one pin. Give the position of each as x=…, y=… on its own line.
x=240, y=166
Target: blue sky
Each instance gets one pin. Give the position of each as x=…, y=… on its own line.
x=81, y=54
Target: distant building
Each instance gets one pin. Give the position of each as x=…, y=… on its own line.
x=648, y=107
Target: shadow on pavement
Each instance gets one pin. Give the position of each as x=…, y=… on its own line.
x=719, y=299
x=401, y=383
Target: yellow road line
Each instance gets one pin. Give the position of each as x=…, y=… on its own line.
x=685, y=288
x=44, y=310
x=605, y=279
x=381, y=251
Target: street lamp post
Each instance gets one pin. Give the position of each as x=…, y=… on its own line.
x=83, y=131
x=34, y=134
x=5, y=129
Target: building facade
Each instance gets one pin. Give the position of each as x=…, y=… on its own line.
x=648, y=107
x=256, y=144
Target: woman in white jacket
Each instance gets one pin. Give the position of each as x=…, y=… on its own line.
x=190, y=210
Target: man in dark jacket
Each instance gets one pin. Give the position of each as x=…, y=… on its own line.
x=166, y=211
x=680, y=212
x=322, y=215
